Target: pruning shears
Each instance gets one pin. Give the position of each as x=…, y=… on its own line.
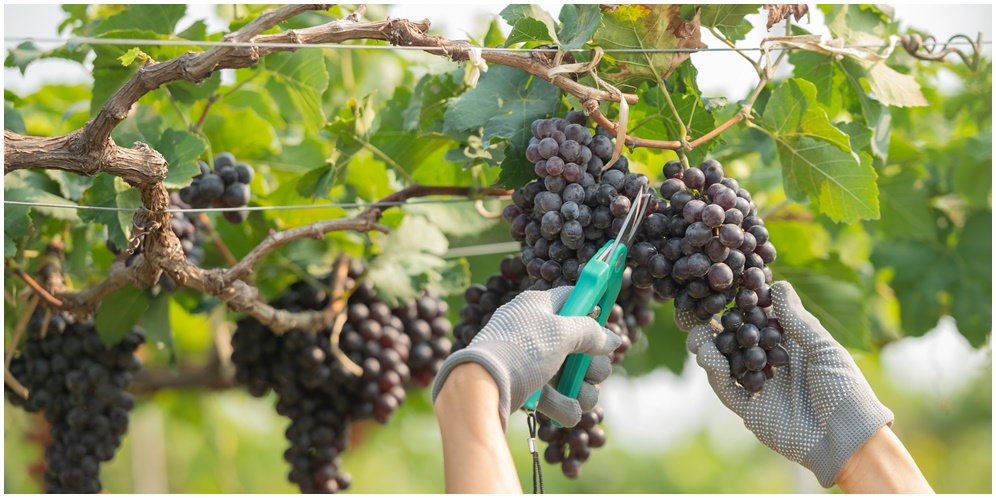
x=594, y=295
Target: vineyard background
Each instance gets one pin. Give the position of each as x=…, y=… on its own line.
x=667, y=432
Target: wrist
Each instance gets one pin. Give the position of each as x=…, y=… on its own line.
x=882, y=465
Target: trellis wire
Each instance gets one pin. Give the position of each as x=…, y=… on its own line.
x=345, y=205
x=139, y=41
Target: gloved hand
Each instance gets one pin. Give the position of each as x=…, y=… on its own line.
x=817, y=410
x=525, y=344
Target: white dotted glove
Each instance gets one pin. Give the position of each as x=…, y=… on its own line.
x=525, y=344
x=817, y=410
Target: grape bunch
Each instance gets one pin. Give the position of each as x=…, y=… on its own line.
x=427, y=325
x=629, y=315
x=574, y=208
x=754, y=353
x=79, y=384
x=226, y=186
x=189, y=229
x=483, y=300
x=317, y=391
x=708, y=249
x=571, y=447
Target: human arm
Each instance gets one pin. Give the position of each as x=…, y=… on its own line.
x=882, y=465
x=818, y=410
x=476, y=458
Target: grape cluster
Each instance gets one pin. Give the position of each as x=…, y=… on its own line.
x=629, y=315
x=481, y=302
x=754, y=353
x=574, y=208
x=79, y=384
x=427, y=325
x=226, y=186
x=318, y=392
x=571, y=447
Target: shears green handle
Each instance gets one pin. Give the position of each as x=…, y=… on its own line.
x=598, y=284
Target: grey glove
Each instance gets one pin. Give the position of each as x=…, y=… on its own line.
x=817, y=410
x=525, y=344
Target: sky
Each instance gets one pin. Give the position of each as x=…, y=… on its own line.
x=638, y=410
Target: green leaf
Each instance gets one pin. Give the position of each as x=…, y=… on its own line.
x=156, y=323
x=905, y=203
x=308, y=155
x=824, y=74
x=16, y=219
x=433, y=94
x=645, y=26
x=253, y=137
x=181, y=150
x=12, y=119
x=304, y=77
x=657, y=119
x=494, y=37
x=410, y=260
x=394, y=143
x=529, y=30
x=454, y=278
x=791, y=112
x=455, y=220
x=842, y=187
x=921, y=274
x=129, y=57
x=118, y=312
x=160, y=19
x=505, y=103
x=729, y=19
x=839, y=305
x=578, y=22
x=516, y=170
x=187, y=93
x=31, y=186
x=972, y=176
x=529, y=23
x=9, y=248
x=110, y=191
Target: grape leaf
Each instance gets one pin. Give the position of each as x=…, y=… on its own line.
x=12, y=119
x=823, y=73
x=971, y=300
x=397, y=145
x=657, y=119
x=645, y=26
x=729, y=19
x=921, y=274
x=31, y=186
x=905, y=204
x=225, y=137
x=303, y=76
x=426, y=110
x=157, y=18
x=27, y=52
x=118, y=312
x=505, y=103
x=110, y=191
x=181, y=150
x=816, y=157
x=188, y=93
x=798, y=242
x=410, y=259
x=857, y=26
x=9, y=248
x=528, y=29
x=157, y=326
x=578, y=22
x=972, y=176
x=838, y=304
x=529, y=23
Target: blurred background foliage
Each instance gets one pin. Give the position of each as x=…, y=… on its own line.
x=922, y=269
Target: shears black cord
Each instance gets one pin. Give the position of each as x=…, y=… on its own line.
x=537, y=470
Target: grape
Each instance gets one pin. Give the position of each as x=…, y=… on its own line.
x=769, y=337
x=753, y=381
x=659, y=266
x=763, y=296
x=570, y=150
x=766, y=251
x=737, y=365
x=727, y=343
x=211, y=186
x=236, y=194
x=548, y=147
x=712, y=215
x=733, y=217
x=747, y=335
x=224, y=159
x=619, y=206
x=753, y=278
x=698, y=234
x=777, y=356
x=670, y=187
x=574, y=173
x=545, y=128
x=720, y=277
x=731, y=236
x=672, y=169
x=712, y=170
x=601, y=146
x=694, y=178
x=680, y=198
x=605, y=194
x=732, y=320
x=755, y=358
x=551, y=224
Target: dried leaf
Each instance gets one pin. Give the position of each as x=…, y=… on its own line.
x=778, y=12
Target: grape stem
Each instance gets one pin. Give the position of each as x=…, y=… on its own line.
x=22, y=324
x=39, y=290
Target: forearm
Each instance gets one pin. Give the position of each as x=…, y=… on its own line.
x=882, y=465
x=476, y=458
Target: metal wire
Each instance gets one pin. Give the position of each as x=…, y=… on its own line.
x=139, y=41
x=251, y=208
